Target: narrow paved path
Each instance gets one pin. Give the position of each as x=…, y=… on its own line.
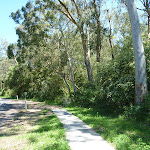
x=79, y=135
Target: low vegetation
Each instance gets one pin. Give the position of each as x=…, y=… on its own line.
x=124, y=134
x=34, y=132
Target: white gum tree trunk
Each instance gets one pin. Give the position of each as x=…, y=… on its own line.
x=140, y=64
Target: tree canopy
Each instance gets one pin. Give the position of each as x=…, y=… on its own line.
x=76, y=48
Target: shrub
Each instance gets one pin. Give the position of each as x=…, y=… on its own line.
x=116, y=80
x=86, y=97
x=140, y=145
x=139, y=113
x=122, y=142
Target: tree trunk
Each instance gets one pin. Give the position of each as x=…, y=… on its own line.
x=86, y=58
x=71, y=73
x=110, y=34
x=148, y=28
x=88, y=41
x=98, y=32
x=140, y=64
x=148, y=13
x=98, y=42
x=66, y=84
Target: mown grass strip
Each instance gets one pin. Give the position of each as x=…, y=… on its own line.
x=46, y=133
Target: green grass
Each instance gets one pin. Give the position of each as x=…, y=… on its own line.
x=47, y=133
x=44, y=111
x=116, y=129
x=2, y=96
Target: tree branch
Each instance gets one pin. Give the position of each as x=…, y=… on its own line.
x=78, y=12
x=68, y=15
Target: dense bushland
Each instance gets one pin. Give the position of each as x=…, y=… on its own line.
x=84, y=60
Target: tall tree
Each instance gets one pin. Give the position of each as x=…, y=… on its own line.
x=146, y=4
x=110, y=30
x=80, y=24
x=140, y=64
x=98, y=30
x=12, y=52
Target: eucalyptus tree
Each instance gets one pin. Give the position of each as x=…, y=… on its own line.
x=40, y=46
x=5, y=65
x=12, y=52
x=74, y=11
x=33, y=44
x=146, y=5
x=140, y=64
x=66, y=45
x=110, y=29
x=95, y=22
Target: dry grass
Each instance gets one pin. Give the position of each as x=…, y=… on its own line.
x=15, y=133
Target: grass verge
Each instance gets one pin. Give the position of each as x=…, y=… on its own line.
x=46, y=132
x=124, y=134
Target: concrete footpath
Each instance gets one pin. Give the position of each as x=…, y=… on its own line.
x=79, y=135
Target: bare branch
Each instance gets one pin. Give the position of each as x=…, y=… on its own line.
x=141, y=9
x=78, y=12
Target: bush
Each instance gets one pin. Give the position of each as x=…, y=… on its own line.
x=2, y=92
x=140, y=145
x=139, y=113
x=122, y=142
x=86, y=97
x=116, y=81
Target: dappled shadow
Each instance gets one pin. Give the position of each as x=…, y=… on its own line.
x=111, y=126
x=79, y=133
x=5, y=107
x=37, y=126
x=47, y=123
x=14, y=118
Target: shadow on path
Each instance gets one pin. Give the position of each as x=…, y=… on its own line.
x=79, y=135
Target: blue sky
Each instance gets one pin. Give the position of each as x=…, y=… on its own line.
x=7, y=25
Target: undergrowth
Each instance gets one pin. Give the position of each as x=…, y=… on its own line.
x=123, y=133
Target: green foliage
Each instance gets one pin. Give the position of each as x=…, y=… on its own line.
x=2, y=93
x=124, y=134
x=139, y=113
x=140, y=145
x=5, y=64
x=46, y=41
x=122, y=142
x=9, y=93
x=116, y=79
x=48, y=135
x=50, y=88
x=64, y=59
x=43, y=87
x=147, y=53
x=85, y=98
x=10, y=49
x=113, y=86
x=18, y=79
